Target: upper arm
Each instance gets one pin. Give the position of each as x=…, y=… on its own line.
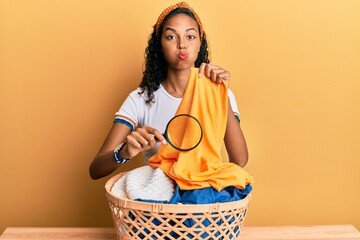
x=116, y=135
x=234, y=140
x=126, y=119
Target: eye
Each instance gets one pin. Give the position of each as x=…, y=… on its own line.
x=170, y=37
x=191, y=37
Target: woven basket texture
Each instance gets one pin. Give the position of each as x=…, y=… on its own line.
x=143, y=220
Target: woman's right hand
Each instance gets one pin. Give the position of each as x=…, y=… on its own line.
x=141, y=139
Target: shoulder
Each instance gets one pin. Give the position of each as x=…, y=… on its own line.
x=141, y=95
x=136, y=98
x=137, y=94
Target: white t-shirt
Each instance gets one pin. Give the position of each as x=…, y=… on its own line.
x=136, y=112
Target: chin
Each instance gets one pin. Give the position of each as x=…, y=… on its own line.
x=183, y=66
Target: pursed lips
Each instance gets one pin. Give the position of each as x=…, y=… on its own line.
x=183, y=56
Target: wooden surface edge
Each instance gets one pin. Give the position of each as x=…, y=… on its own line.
x=320, y=232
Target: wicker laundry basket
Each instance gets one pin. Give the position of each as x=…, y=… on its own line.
x=143, y=220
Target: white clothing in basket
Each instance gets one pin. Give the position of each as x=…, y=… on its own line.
x=144, y=183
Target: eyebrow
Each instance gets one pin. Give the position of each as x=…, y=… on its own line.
x=173, y=30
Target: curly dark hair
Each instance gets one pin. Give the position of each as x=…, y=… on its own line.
x=155, y=64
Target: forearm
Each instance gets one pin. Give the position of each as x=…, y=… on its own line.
x=103, y=165
x=104, y=162
x=235, y=141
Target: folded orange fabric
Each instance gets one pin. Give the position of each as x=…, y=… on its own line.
x=202, y=166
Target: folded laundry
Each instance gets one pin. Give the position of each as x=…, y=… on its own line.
x=144, y=183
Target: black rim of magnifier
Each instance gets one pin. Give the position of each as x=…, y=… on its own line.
x=183, y=149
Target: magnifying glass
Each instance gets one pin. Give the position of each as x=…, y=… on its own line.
x=183, y=132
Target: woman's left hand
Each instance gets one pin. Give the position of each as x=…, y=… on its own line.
x=215, y=73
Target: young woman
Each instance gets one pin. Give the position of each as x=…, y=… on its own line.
x=177, y=44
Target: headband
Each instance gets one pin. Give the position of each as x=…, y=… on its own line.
x=173, y=7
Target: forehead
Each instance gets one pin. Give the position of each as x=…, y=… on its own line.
x=181, y=20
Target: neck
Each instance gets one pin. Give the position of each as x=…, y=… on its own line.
x=176, y=81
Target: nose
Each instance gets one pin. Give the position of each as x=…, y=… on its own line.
x=181, y=45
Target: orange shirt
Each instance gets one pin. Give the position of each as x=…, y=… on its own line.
x=202, y=166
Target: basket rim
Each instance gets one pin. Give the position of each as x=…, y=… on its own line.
x=170, y=208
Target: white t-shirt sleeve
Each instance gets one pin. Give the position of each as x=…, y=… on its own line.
x=234, y=104
x=130, y=111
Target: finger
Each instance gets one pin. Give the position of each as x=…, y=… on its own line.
x=159, y=137
x=215, y=73
x=209, y=68
x=224, y=75
x=148, y=134
x=155, y=136
x=201, y=69
x=132, y=142
x=139, y=135
x=207, y=71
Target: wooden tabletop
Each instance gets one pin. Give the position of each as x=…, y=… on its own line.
x=322, y=232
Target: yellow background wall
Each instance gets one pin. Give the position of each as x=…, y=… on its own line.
x=66, y=66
